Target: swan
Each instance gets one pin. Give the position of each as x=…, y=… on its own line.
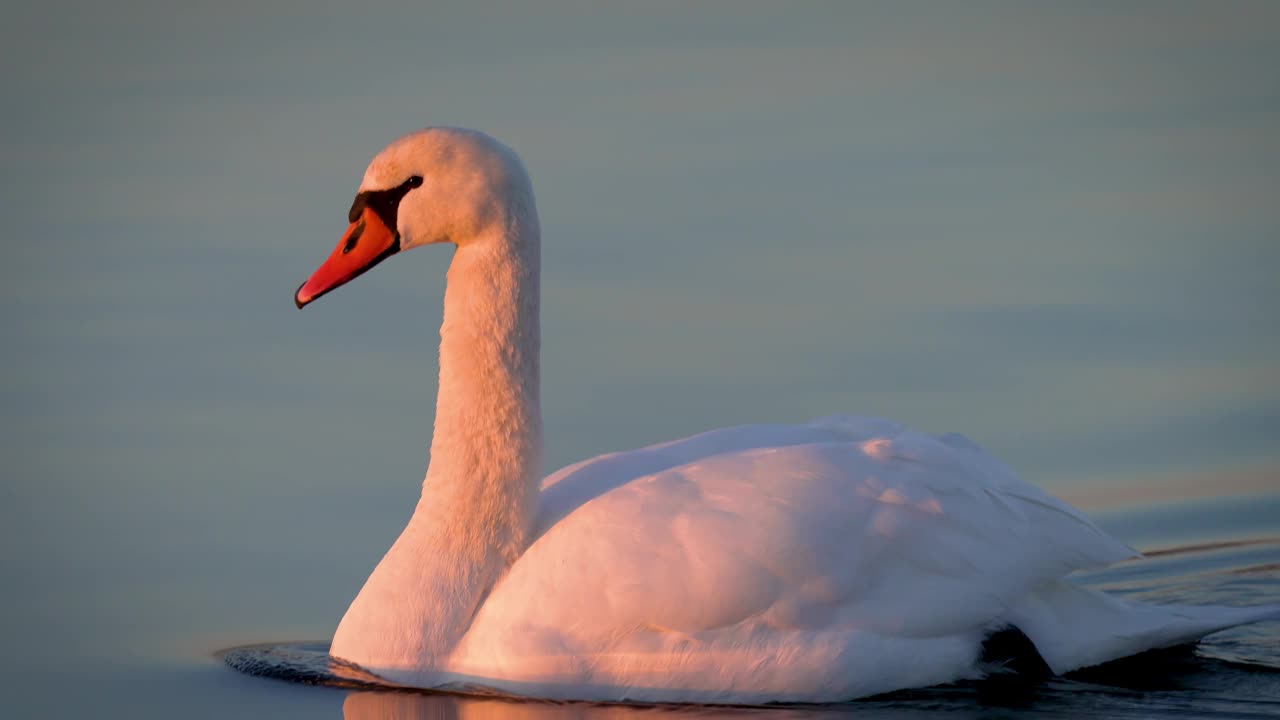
x=826, y=561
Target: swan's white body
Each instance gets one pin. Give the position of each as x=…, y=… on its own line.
x=827, y=561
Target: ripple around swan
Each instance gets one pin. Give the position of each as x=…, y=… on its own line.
x=1179, y=681
x=309, y=663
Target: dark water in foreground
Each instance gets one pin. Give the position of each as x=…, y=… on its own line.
x=1229, y=553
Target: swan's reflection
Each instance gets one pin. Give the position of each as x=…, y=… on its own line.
x=416, y=706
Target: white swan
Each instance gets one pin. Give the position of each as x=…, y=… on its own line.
x=827, y=561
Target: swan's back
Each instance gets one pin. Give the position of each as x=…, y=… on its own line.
x=827, y=560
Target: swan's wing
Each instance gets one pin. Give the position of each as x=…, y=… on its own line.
x=844, y=526
x=564, y=491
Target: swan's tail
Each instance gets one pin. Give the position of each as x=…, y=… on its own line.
x=1074, y=627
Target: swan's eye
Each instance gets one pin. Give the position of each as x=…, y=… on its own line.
x=382, y=202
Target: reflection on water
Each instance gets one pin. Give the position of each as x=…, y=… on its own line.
x=413, y=706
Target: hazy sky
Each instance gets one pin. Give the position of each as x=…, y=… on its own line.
x=1053, y=227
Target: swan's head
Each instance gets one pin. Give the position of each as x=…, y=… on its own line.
x=433, y=186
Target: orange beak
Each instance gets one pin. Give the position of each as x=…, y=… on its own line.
x=366, y=243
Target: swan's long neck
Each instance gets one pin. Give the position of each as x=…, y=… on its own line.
x=478, y=498
x=486, y=451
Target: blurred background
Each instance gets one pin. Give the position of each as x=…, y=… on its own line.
x=1052, y=227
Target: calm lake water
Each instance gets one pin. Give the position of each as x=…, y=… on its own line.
x=1051, y=227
